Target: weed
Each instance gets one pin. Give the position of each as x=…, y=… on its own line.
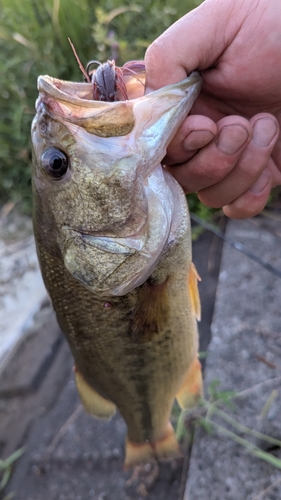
x=34, y=41
x=6, y=468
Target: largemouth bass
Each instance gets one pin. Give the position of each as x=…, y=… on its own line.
x=113, y=239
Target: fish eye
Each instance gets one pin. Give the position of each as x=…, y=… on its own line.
x=55, y=162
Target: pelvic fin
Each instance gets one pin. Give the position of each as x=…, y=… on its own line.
x=92, y=401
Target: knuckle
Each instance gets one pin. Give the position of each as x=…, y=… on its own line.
x=154, y=54
x=251, y=165
x=246, y=206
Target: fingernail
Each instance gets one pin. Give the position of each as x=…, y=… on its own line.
x=197, y=139
x=262, y=181
x=263, y=131
x=231, y=138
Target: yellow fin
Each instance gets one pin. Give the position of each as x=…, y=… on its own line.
x=193, y=279
x=93, y=402
x=192, y=387
x=166, y=447
x=137, y=453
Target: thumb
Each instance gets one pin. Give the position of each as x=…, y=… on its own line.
x=194, y=42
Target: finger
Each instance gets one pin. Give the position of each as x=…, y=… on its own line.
x=250, y=166
x=253, y=201
x=194, y=133
x=212, y=163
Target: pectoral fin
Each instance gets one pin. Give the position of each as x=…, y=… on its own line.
x=93, y=402
x=193, y=279
x=192, y=387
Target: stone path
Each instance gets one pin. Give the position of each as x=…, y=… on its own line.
x=244, y=356
x=21, y=287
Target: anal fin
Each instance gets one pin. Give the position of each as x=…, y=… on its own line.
x=192, y=388
x=92, y=401
x=166, y=447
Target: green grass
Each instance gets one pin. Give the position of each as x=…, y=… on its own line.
x=34, y=40
x=6, y=468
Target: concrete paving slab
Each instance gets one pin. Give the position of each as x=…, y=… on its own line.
x=36, y=350
x=21, y=409
x=244, y=355
x=21, y=291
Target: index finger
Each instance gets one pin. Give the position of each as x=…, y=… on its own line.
x=194, y=42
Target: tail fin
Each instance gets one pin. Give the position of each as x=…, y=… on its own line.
x=166, y=447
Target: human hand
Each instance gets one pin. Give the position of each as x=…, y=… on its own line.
x=229, y=148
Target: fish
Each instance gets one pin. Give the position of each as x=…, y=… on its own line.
x=113, y=239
